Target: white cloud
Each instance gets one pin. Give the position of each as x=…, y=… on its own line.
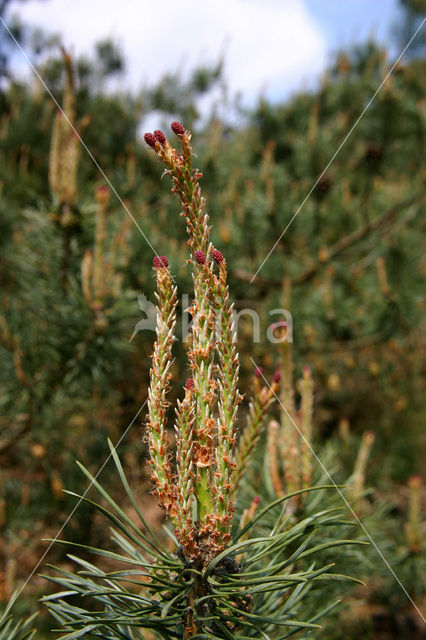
x=270, y=45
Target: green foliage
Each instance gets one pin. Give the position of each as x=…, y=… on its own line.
x=12, y=629
x=352, y=248
x=350, y=264
x=255, y=586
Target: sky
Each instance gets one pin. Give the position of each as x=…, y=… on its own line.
x=274, y=47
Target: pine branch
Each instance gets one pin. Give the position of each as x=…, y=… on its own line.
x=336, y=249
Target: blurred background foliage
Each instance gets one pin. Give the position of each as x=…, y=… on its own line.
x=350, y=268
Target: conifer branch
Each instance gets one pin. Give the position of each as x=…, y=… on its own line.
x=160, y=376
